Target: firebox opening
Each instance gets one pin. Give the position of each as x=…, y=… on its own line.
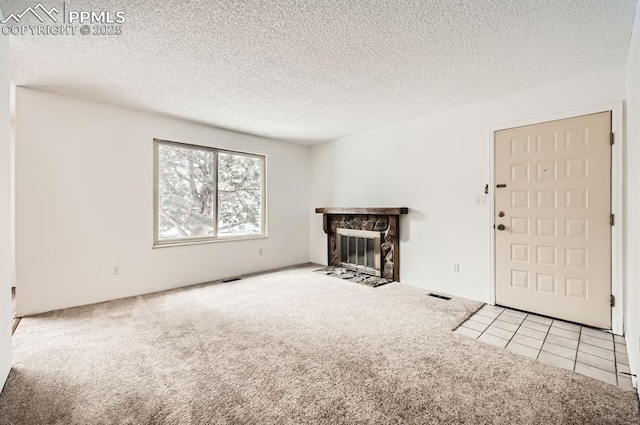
x=359, y=250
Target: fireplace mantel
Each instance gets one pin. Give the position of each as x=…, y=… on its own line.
x=384, y=211
x=380, y=219
x=367, y=211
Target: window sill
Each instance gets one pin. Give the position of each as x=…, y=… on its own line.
x=208, y=241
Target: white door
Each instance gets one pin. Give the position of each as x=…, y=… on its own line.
x=553, y=212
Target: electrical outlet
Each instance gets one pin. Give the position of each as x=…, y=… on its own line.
x=116, y=270
x=456, y=267
x=260, y=251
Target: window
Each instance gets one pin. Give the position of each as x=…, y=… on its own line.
x=204, y=194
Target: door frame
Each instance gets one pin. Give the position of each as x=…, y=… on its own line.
x=617, y=200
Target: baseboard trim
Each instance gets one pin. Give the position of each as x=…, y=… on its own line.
x=14, y=325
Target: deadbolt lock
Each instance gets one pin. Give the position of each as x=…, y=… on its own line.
x=501, y=214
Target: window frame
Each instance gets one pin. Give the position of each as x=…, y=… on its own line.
x=158, y=243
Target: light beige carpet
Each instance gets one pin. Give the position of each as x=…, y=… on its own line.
x=292, y=347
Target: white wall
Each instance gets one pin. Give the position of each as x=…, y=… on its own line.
x=84, y=196
x=633, y=199
x=5, y=263
x=435, y=166
x=12, y=200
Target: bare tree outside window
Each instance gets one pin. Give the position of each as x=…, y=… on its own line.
x=203, y=193
x=185, y=193
x=239, y=194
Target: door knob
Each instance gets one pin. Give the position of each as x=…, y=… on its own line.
x=501, y=227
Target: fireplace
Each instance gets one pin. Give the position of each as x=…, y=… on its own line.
x=359, y=250
x=365, y=240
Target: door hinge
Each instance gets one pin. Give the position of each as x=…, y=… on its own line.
x=611, y=138
x=612, y=301
x=612, y=219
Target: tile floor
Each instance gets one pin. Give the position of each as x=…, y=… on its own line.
x=584, y=350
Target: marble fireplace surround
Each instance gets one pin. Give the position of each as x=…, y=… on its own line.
x=385, y=220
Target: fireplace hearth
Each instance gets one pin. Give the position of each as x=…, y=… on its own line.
x=365, y=240
x=353, y=276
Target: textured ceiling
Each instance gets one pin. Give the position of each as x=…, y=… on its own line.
x=312, y=70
